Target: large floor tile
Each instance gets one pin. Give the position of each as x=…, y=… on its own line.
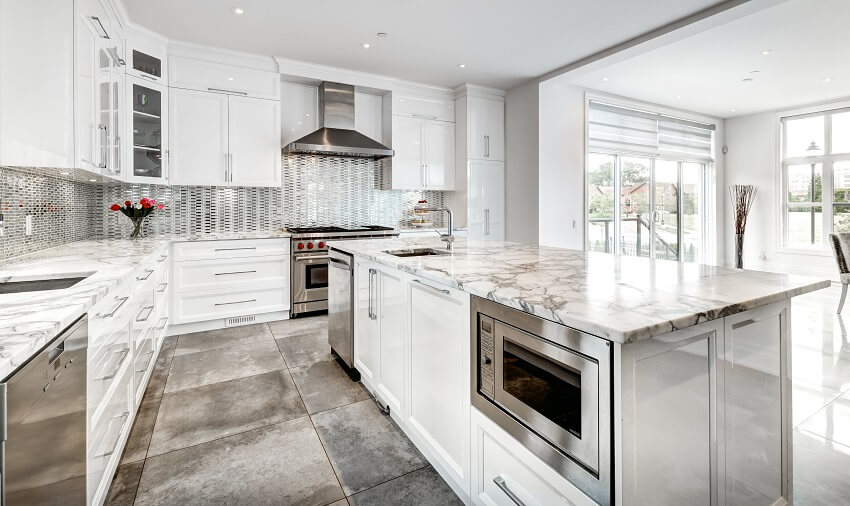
x=324, y=385
x=140, y=436
x=424, y=487
x=832, y=422
x=213, y=366
x=818, y=368
x=197, y=415
x=295, y=326
x=161, y=368
x=222, y=338
x=122, y=492
x=806, y=400
x=305, y=349
x=820, y=470
x=281, y=464
x=365, y=446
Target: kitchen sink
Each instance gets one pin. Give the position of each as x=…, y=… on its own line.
x=39, y=285
x=419, y=252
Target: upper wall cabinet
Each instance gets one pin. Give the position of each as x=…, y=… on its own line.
x=146, y=59
x=441, y=109
x=148, y=129
x=486, y=128
x=192, y=74
x=424, y=154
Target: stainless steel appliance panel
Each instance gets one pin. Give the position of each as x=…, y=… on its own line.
x=309, y=278
x=341, y=306
x=44, y=449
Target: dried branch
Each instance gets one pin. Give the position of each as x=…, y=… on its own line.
x=742, y=196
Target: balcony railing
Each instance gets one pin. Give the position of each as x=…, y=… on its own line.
x=635, y=248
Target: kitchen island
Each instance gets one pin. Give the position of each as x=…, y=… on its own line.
x=678, y=373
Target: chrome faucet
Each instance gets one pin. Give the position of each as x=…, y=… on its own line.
x=449, y=237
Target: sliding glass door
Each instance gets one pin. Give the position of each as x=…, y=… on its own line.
x=646, y=206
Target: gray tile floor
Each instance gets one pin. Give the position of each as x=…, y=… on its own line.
x=263, y=415
x=230, y=418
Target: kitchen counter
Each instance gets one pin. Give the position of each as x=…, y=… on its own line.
x=30, y=320
x=623, y=299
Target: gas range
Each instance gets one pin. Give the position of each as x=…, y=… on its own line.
x=309, y=251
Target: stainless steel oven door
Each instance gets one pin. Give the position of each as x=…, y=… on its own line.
x=552, y=390
x=309, y=277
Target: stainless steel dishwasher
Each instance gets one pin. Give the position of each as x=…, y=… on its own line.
x=44, y=424
x=341, y=309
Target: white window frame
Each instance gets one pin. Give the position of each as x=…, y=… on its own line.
x=827, y=162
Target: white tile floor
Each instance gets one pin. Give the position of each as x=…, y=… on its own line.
x=821, y=399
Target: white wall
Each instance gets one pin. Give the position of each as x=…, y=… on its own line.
x=561, y=179
x=522, y=163
x=753, y=158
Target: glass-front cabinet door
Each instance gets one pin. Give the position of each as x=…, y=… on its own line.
x=149, y=132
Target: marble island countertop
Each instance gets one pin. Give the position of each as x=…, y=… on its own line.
x=623, y=299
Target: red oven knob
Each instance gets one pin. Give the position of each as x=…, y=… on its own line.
x=310, y=245
x=321, y=245
x=300, y=245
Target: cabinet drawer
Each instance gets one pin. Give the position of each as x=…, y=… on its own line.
x=144, y=311
x=216, y=77
x=193, y=307
x=141, y=363
x=105, y=438
x=442, y=109
x=241, y=248
x=215, y=274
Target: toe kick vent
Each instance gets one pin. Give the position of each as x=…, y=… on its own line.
x=239, y=320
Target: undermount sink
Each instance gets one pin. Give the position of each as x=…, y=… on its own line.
x=39, y=285
x=418, y=252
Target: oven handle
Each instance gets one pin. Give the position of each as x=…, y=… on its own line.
x=500, y=482
x=311, y=257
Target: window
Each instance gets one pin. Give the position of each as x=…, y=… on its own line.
x=816, y=177
x=646, y=183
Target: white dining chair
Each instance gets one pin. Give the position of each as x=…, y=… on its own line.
x=841, y=248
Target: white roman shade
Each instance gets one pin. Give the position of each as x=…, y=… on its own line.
x=618, y=129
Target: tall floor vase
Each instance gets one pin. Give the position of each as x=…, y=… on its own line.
x=739, y=251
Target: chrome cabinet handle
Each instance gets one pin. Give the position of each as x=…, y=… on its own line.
x=120, y=154
x=104, y=148
x=124, y=354
x=163, y=321
x=500, y=482
x=372, y=314
x=235, y=249
x=145, y=278
x=161, y=288
x=234, y=272
x=114, y=445
x=113, y=52
x=226, y=168
x=222, y=90
x=116, y=308
x=105, y=34
x=486, y=222
x=432, y=288
x=162, y=258
x=143, y=369
x=148, y=76
x=149, y=310
x=237, y=302
x=423, y=116
x=487, y=146
x=231, y=168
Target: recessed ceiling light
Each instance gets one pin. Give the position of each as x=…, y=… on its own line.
x=678, y=97
x=229, y=78
x=308, y=115
x=365, y=45
x=382, y=34
x=766, y=52
x=747, y=79
x=238, y=10
x=732, y=110
x=605, y=79
x=461, y=65
x=828, y=79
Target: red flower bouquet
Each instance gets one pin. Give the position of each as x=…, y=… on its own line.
x=137, y=213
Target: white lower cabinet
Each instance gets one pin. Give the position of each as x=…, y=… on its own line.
x=367, y=345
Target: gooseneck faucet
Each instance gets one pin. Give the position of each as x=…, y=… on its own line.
x=449, y=237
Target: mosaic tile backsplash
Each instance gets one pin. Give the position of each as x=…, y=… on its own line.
x=314, y=190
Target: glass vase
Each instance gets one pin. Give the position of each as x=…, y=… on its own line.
x=739, y=251
x=137, y=228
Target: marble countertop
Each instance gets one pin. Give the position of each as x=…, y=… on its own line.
x=620, y=298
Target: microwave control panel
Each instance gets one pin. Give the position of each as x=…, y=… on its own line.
x=486, y=367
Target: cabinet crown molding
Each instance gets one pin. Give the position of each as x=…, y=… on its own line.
x=476, y=90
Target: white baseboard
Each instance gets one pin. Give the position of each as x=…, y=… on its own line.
x=219, y=323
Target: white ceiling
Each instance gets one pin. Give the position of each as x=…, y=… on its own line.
x=808, y=40
x=502, y=42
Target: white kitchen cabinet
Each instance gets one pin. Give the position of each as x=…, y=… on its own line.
x=486, y=128
x=424, y=154
x=193, y=74
x=224, y=140
x=147, y=128
x=367, y=344
x=439, y=393
x=486, y=200
x=146, y=59
x=198, y=137
x=299, y=111
x=422, y=107
x=367, y=115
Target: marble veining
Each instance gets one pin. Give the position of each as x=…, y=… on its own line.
x=620, y=298
x=28, y=321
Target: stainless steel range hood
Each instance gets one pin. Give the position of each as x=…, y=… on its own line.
x=336, y=135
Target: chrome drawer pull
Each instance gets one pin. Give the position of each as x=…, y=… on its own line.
x=432, y=288
x=235, y=249
x=149, y=271
x=500, y=482
x=124, y=353
x=161, y=288
x=105, y=34
x=237, y=302
x=116, y=308
x=163, y=321
x=114, y=445
x=235, y=272
x=222, y=90
x=148, y=315
x=162, y=258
